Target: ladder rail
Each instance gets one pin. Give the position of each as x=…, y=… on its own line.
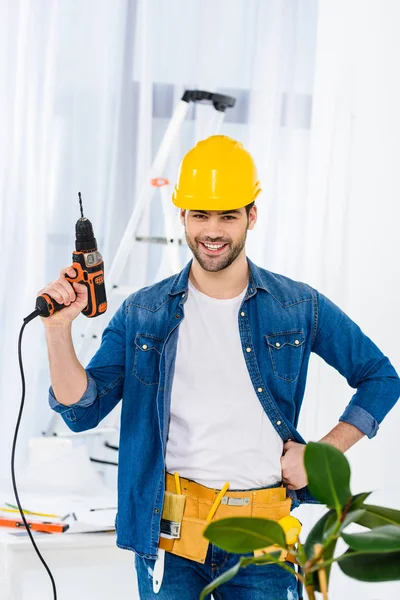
x=94, y=327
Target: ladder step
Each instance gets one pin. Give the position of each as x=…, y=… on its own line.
x=160, y=240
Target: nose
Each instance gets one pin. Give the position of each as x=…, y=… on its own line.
x=213, y=230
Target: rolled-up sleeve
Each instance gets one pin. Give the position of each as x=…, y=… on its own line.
x=344, y=346
x=105, y=375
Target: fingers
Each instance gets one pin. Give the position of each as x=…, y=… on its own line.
x=68, y=271
x=294, y=483
x=81, y=291
x=300, y=486
x=288, y=445
x=61, y=290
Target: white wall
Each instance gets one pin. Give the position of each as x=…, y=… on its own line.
x=352, y=234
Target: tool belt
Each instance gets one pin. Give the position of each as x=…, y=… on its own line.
x=269, y=503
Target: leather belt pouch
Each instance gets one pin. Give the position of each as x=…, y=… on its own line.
x=269, y=503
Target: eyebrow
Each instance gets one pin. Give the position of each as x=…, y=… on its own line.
x=225, y=212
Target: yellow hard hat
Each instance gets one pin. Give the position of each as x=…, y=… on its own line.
x=217, y=174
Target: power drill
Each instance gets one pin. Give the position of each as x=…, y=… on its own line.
x=88, y=264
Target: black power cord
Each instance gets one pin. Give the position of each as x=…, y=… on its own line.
x=34, y=314
x=111, y=446
x=103, y=462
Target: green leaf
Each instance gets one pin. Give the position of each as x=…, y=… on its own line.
x=358, y=500
x=244, y=561
x=265, y=558
x=324, y=528
x=245, y=534
x=301, y=554
x=380, y=539
x=351, y=517
x=328, y=474
x=371, y=566
x=332, y=523
x=316, y=535
x=377, y=516
x=220, y=580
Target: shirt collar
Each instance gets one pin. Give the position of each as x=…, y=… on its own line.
x=256, y=280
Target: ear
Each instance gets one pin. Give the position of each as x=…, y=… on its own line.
x=182, y=215
x=252, y=217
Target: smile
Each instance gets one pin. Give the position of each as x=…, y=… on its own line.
x=213, y=248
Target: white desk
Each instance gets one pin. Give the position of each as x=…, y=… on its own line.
x=84, y=566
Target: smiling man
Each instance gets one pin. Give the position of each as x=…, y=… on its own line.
x=218, y=252
x=211, y=365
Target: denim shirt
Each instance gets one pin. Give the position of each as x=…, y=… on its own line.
x=280, y=321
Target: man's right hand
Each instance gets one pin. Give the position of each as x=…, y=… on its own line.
x=73, y=295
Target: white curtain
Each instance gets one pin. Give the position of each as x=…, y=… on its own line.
x=87, y=90
x=63, y=95
x=351, y=231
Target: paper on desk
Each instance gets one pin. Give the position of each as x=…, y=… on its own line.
x=71, y=473
x=74, y=527
x=83, y=521
x=68, y=484
x=82, y=527
x=61, y=506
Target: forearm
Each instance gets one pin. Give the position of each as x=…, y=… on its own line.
x=294, y=475
x=343, y=436
x=68, y=377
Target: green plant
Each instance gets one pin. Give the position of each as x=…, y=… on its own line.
x=372, y=555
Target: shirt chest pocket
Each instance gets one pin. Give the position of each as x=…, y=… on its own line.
x=146, y=363
x=286, y=353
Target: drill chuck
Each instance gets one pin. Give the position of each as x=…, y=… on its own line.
x=84, y=236
x=89, y=268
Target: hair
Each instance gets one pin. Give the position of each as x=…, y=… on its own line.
x=248, y=207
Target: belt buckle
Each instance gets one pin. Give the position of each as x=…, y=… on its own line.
x=235, y=501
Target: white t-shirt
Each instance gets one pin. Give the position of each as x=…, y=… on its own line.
x=218, y=429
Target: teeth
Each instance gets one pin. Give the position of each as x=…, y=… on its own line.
x=213, y=247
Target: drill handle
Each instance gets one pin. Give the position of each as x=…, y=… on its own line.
x=47, y=305
x=92, y=276
x=89, y=269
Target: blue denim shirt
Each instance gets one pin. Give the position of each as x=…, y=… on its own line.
x=280, y=321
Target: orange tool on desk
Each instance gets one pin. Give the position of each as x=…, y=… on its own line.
x=46, y=526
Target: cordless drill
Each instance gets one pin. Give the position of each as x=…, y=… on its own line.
x=88, y=264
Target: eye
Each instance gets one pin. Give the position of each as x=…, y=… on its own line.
x=199, y=216
x=230, y=217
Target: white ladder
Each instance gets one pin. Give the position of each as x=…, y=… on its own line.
x=170, y=263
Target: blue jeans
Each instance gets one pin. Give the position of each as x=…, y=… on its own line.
x=184, y=579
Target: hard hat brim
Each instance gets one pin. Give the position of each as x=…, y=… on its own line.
x=186, y=202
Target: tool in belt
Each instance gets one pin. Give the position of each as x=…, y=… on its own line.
x=202, y=505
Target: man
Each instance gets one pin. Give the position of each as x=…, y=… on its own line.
x=211, y=365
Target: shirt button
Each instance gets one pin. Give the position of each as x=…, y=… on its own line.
x=248, y=349
x=277, y=345
x=251, y=290
x=156, y=510
x=296, y=342
x=144, y=347
x=242, y=314
x=183, y=295
x=259, y=390
x=278, y=422
x=177, y=315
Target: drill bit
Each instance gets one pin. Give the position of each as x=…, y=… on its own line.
x=80, y=203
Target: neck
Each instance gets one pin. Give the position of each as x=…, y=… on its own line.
x=228, y=283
